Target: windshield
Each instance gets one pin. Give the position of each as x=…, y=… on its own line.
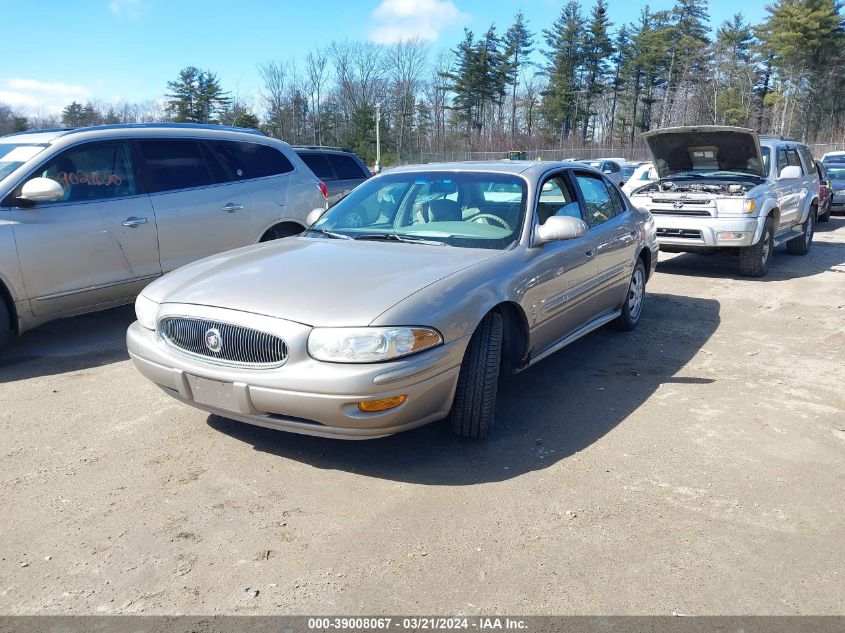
x=13, y=155
x=835, y=171
x=465, y=209
x=628, y=171
x=767, y=158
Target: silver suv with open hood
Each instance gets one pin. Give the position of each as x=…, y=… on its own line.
x=723, y=187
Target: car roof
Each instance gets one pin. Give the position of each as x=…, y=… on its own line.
x=120, y=130
x=526, y=168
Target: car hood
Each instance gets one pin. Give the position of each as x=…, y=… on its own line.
x=737, y=148
x=314, y=281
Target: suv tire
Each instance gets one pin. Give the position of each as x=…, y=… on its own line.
x=632, y=309
x=754, y=260
x=801, y=245
x=5, y=323
x=824, y=218
x=475, y=395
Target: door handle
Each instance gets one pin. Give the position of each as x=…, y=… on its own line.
x=133, y=221
x=232, y=207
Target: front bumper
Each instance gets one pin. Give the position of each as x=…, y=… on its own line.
x=706, y=232
x=304, y=395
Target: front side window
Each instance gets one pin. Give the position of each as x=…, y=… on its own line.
x=462, y=209
x=782, y=160
x=792, y=158
x=96, y=171
x=174, y=164
x=600, y=206
x=556, y=199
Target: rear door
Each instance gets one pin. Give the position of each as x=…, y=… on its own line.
x=97, y=245
x=199, y=212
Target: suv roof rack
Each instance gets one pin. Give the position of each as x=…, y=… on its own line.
x=328, y=147
x=134, y=126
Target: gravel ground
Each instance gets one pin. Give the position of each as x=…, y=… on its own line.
x=693, y=466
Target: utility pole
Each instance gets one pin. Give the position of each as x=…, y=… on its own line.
x=377, y=166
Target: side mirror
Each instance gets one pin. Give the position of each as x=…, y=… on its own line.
x=789, y=172
x=313, y=216
x=560, y=227
x=42, y=190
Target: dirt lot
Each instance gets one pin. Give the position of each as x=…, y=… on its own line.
x=693, y=466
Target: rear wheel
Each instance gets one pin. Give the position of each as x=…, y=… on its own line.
x=475, y=396
x=801, y=245
x=825, y=216
x=632, y=309
x=754, y=260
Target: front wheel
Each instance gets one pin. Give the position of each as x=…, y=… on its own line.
x=632, y=309
x=825, y=216
x=5, y=324
x=475, y=395
x=801, y=245
x=754, y=260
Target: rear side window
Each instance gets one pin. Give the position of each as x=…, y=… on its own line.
x=250, y=160
x=346, y=168
x=319, y=164
x=174, y=164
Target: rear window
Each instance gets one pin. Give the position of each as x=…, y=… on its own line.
x=346, y=168
x=319, y=165
x=250, y=160
x=174, y=164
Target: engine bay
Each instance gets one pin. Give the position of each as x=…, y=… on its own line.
x=718, y=188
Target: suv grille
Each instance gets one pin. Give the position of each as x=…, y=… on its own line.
x=223, y=342
x=686, y=234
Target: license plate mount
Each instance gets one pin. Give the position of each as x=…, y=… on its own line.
x=213, y=393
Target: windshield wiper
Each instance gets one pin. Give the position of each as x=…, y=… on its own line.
x=393, y=237
x=337, y=236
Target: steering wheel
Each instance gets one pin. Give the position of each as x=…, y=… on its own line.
x=496, y=220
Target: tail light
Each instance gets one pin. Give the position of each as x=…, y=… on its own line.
x=323, y=189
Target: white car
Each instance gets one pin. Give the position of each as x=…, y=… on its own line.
x=643, y=175
x=837, y=156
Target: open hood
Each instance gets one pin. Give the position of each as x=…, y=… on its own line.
x=705, y=148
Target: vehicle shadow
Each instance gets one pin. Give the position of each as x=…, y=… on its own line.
x=826, y=254
x=545, y=414
x=68, y=345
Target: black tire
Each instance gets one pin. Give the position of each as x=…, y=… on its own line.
x=632, y=309
x=754, y=260
x=802, y=244
x=5, y=323
x=824, y=217
x=475, y=396
x=283, y=230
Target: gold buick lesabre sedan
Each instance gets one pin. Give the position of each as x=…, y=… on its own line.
x=402, y=304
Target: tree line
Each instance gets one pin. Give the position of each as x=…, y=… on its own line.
x=576, y=82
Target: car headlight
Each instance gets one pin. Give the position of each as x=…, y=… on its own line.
x=369, y=344
x=146, y=311
x=749, y=205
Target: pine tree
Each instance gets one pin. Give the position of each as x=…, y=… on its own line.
x=519, y=44
x=598, y=47
x=196, y=97
x=72, y=115
x=566, y=42
x=731, y=65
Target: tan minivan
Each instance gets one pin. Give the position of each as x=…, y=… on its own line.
x=90, y=216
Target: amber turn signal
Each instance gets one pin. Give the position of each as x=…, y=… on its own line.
x=373, y=406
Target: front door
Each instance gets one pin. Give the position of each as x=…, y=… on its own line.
x=199, y=212
x=558, y=297
x=97, y=244
x=614, y=238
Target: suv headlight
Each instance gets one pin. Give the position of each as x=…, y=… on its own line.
x=369, y=344
x=146, y=310
x=749, y=205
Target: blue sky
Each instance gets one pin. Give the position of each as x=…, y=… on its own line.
x=111, y=50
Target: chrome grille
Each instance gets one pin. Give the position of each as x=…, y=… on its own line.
x=238, y=345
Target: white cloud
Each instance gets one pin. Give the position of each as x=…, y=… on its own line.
x=399, y=20
x=32, y=96
x=128, y=8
